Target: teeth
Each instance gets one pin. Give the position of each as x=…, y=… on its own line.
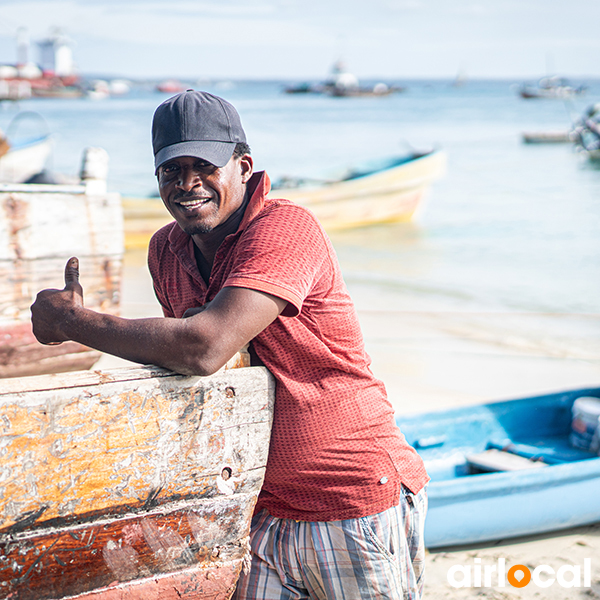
x=189, y=203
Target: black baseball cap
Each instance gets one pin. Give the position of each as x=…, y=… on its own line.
x=196, y=124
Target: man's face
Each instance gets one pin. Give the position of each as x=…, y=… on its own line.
x=200, y=196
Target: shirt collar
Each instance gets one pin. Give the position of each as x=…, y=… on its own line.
x=258, y=187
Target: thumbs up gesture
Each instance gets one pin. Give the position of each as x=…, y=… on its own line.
x=72, y=278
x=53, y=307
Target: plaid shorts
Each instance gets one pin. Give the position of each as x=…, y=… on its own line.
x=377, y=557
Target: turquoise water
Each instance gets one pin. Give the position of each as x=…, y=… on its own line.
x=510, y=228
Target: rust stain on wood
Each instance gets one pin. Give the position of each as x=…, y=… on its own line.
x=16, y=211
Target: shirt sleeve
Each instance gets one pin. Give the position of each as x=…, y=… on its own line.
x=282, y=253
x=157, y=241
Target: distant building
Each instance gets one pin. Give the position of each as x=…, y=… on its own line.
x=56, y=55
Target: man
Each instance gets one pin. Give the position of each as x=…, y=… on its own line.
x=340, y=515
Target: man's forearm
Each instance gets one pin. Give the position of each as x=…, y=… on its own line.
x=199, y=344
x=166, y=342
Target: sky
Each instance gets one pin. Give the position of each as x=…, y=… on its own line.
x=300, y=39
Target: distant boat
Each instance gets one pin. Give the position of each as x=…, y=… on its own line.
x=386, y=192
x=460, y=79
x=343, y=84
x=132, y=483
x=56, y=89
x=503, y=469
x=23, y=157
x=170, y=86
x=100, y=89
x=26, y=81
x=550, y=87
x=546, y=137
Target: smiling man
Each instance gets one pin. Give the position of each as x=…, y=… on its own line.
x=341, y=512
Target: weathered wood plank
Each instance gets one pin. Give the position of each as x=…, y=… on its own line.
x=36, y=226
x=39, y=232
x=132, y=483
x=78, y=379
x=116, y=444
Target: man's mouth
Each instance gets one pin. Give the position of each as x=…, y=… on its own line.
x=192, y=203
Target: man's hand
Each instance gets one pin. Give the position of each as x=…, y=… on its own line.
x=52, y=307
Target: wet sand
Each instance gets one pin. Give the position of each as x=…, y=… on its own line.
x=434, y=360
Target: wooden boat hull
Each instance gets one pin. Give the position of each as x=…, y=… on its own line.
x=41, y=227
x=387, y=196
x=132, y=483
x=467, y=509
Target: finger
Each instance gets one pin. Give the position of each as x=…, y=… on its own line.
x=72, y=271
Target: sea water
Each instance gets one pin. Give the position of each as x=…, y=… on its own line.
x=510, y=229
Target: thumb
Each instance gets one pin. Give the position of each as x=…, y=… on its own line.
x=72, y=274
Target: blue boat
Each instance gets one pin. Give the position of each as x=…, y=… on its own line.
x=505, y=469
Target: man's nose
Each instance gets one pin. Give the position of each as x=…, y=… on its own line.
x=188, y=179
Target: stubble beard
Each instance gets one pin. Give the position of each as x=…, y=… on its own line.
x=204, y=226
x=197, y=229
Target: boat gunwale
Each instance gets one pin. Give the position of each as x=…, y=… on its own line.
x=326, y=186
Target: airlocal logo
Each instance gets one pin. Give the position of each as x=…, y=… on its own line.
x=519, y=576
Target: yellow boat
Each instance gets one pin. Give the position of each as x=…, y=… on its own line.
x=388, y=192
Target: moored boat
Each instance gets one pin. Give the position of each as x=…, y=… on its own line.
x=546, y=137
x=41, y=227
x=505, y=469
x=388, y=192
x=130, y=483
x=586, y=133
x=391, y=191
x=343, y=84
x=550, y=87
x=23, y=157
x=170, y=86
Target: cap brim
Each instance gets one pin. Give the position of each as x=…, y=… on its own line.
x=217, y=153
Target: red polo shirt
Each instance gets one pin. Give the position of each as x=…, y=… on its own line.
x=335, y=450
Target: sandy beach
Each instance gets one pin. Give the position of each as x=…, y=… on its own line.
x=433, y=360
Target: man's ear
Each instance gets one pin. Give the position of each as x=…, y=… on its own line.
x=247, y=167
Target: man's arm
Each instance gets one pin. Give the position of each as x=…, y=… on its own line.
x=198, y=345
